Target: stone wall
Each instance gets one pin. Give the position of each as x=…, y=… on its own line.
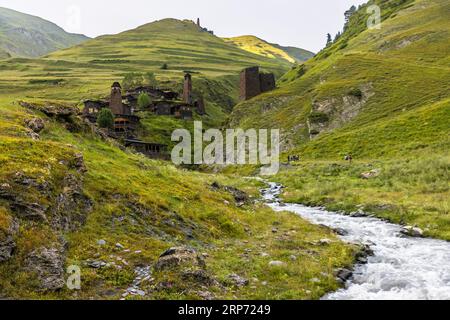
x=253, y=83
x=250, y=83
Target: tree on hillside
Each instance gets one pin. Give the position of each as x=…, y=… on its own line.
x=329, y=39
x=348, y=14
x=105, y=119
x=338, y=35
x=164, y=66
x=132, y=80
x=143, y=100
x=150, y=79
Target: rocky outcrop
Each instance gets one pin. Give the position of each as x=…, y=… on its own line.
x=71, y=205
x=332, y=113
x=48, y=265
x=240, y=196
x=51, y=109
x=7, y=243
x=179, y=256
x=35, y=124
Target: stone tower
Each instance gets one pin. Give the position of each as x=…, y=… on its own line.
x=198, y=23
x=115, y=103
x=187, y=88
x=250, y=83
x=200, y=104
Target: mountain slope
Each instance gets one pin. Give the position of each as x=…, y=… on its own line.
x=182, y=45
x=367, y=78
x=24, y=35
x=261, y=47
x=382, y=96
x=87, y=71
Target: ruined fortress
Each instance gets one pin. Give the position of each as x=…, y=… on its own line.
x=253, y=83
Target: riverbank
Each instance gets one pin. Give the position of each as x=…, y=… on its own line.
x=398, y=267
x=413, y=192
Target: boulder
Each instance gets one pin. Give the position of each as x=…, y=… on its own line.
x=198, y=276
x=237, y=280
x=35, y=124
x=412, y=232
x=371, y=174
x=48, y=264
x=240, y=196
x=277, y=264
x=344, y=274
x=7, y=243
x=177, y=256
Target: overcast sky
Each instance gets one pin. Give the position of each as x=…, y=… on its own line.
x=301, y=23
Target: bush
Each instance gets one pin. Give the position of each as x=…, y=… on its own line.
x=164, y=66
x=356, y=93
x=318, y=117
x=150, y=79
x=143, y=100
x=105, y=119
x=132, y=80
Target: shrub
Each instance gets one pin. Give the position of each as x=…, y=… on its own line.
x=356, y=93
x=143, y=100
x=151, y=79
x=105, y=119
x=164, y=66
x=132, y=80
x=318, y=117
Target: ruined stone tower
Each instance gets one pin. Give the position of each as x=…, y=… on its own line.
x=115, y=103
x=253, y=83
x=200, y=104
x=187, y=88
x=249, y=86
x=198, y=22
x=267, y=81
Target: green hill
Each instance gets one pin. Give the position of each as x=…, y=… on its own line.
x=263, y=48
x=23, y=35
x=381, y=95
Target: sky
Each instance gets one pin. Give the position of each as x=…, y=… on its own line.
x=300, y=23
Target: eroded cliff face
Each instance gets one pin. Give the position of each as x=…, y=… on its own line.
x=332, y=113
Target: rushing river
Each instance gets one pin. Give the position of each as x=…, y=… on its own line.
x=401, y=268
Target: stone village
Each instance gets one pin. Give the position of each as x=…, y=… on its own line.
x=164, y=102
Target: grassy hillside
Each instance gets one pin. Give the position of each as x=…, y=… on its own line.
x=88, y=70
x=381, y=95
x=263, y=48
x=23, y=35
x=124, y=210
x=72, y=198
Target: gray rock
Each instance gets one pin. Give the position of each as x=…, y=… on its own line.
x=101, y=242
x=35, y=124
x=340, y=231
x=277, y=264
x=7, y=243
x=412, y=232
x=48, y=264
x=177, y=256
x=344, y=274
x=238, y=280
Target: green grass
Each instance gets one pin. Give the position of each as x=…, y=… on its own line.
x=263, y=48
x=156, y=203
